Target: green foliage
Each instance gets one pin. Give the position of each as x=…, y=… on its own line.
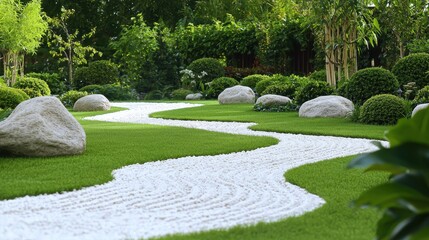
x=219, y=84
x=413, y=68
x=288, y=107
x=286, y=89
x=263, y=84
x=208, y=68
x=115, y=92
x=319, y=75
x=419, y=46
x=5, y=113
x=94, y=89
x=252, y=80
x=11, y=97
x=239, y=72
x=70, y=97
x=422, y=96
x=154, y=95
x=2, y=82
x=410, y=90
x=98, y=72
x=55, y=83
x=312, y=90
x=180, y=94
x=367, y=83
x=383, y=109
x=404, y=199
x=34, y=87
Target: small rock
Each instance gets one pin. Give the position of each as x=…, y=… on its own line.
x=93, y=102
x=194, y=96
x=237, y=94
x=41, y=127
x=327, y=106
x=273, y=100
x=419, y=108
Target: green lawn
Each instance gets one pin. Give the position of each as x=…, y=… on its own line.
x=287, y=122
x=109, y=147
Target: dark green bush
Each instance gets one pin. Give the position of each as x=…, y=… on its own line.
x=289, y=107
x=11, y=97
x=312, y=90
x=115, y=92
x=94, y=88
x=34, y=87
x=70, y=97
x=212, y=67
x=284, y=89
x=219, y=84
x=54, y=81
x=154, y=95
x=98, y=72
x=263, y=84
x=367, y=83
x=384, y=109
x=2, y=82
x=180, y=94
x=413, y=68
x=252, y=80
x=319, y=75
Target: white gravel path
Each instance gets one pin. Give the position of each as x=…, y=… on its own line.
x=182, y=195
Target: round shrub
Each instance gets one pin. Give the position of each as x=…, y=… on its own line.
x=99, y=72
x=36, y=87
x=318, y=76
x=312, y=90
x=384, y=109
x=413, y=68
x=284, y=89
x=56, y=84
x=115, y=92
x=210, y=66
x=70, y=97
x=153, y=95
x=252, y=80
x=180, y=94
x=422, y=96
x=11, y=97
x=93, y=88
x=263, y=84
x=369, y=82
x=219, y=84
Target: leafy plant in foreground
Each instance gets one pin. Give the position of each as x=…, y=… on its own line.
x=405, y=197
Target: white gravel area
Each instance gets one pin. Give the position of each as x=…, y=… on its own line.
x=182, y=195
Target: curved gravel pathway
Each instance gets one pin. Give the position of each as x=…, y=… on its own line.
x=179, y=195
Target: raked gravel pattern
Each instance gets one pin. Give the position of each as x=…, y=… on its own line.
x=182, y=195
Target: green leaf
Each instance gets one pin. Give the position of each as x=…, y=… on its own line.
x=415, y=130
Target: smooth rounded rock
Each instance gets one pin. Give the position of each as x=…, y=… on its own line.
x=41, y=127
x=273, y=100
x=237, y=94
x=93, y=102
x=327, y=106
x=194, y=96
x=419, y=108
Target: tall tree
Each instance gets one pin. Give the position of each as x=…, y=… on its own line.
x=340, y=26
x=21, y=30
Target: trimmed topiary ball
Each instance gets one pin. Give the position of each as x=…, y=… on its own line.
x=180, y=94
x=99, y=72
x=318, y=76
x=70, y=97
x=286, y=89
x=384, y=109
x=263, y=84
x=219, y=84
x=93, y=88
x=34, y=87
x=11, y=97
x=207, y=68
x=369, y=82
x=312, y=90
x=422, y=96
x=413, y=68
x=252, y=80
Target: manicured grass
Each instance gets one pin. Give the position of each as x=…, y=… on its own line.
x=334, y=220
x=111, y=146
x=287, y=122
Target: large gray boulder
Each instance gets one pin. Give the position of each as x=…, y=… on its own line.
x=41, y=127
x=273, y=100
x=419, y=108
x=327, y=106
x=237, y=94
x=93, y=102
x=194, y=96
